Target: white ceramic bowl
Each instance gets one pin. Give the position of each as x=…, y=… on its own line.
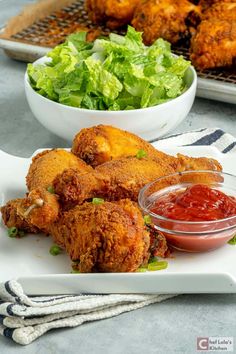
x=149, y=123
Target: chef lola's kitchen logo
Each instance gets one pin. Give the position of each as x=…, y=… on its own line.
x=214, y=344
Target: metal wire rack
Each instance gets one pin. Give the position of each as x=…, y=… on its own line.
x=53, y=30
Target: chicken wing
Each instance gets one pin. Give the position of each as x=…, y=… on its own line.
x=169, y=19
x=113, y=13
x=110, y=237
x=103, y=143
x=214, y=44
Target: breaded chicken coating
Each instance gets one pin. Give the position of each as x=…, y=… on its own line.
x=214, y=44
x=12, y=219
x=103, y=143
x=187, y=163
x=113, y=13
x=206, y=4
x=113, y=180
x=48, y=164
x=40, y=208
x=168, y=19
x=221, y=11
x=109, y=237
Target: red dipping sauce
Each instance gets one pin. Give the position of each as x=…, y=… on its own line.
x=195, y=218
x=195, y=203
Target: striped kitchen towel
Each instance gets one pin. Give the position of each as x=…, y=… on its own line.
x=224, y=142
x=24, y=318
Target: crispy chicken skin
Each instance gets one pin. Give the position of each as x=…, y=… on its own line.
x=110, y=237
x=103, y=143
x=114, y=13
x=48, y=164
x=197, y=163
x=214, y=44
x=39, y=207
x=113, y=180
x=222, y=11
x=12, y=219
x=206, y=4
x=169, y=19
x=158, y=244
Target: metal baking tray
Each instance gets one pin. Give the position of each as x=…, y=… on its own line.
x=38, y=38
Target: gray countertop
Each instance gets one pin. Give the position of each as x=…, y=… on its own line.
x=169, y=327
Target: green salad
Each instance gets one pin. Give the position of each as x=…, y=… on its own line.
x=113, y=73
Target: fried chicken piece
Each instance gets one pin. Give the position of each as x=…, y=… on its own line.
x=123, y=178
x=12, y=219
x=113, y=13
x=197, y=163
x=206, y=4
x=214, y=44
x=200, y=164
x=103, y=143
x=40, y=208
x=113, y=180
x=221, y=11
x=169, y=19
x=48, y=164
x=158, y=244
x=110, y=237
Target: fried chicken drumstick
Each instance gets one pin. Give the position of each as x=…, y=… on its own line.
x=121, y=178
x=113, y=180
x=40, y=207
x=110, y=237
x=103, y=143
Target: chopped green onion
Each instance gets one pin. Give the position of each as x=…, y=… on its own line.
x=51, y=190
x=12, y=231
x=55, y=250
x=141, y=153
x=97, y=201
x=157, y=265
x=147, y=219
x=153, y=259
x=75, y=271
x=232, y=241
x=141, y=270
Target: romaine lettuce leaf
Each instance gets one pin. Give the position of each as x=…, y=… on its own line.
x=113, y=73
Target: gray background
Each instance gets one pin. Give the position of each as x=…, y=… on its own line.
x=169, y=327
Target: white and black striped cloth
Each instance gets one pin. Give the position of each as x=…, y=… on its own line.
x=23, y=319
x=224, y=142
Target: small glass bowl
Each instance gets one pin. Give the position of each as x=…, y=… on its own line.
x=196, y=236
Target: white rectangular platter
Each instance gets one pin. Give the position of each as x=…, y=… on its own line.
x=29, y=261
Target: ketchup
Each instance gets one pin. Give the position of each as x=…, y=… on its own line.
x=196, y=203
